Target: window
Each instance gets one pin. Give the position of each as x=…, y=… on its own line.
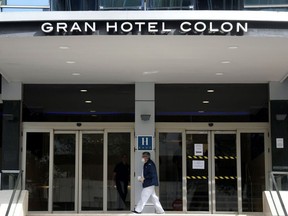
x=211, y=102
x=79, y=103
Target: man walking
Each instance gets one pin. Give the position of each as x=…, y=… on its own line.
x=149, y=180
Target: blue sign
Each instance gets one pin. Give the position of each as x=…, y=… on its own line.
x=144, y=142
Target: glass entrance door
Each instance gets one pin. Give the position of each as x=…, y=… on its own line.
x=198, y=169
x=65, y=171
x=215, y=175
x=80, y=171
x=91, y=159
x=224, y=172
x=211, y=171
x=91, y=171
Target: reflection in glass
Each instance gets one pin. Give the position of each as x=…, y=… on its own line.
x=226, y=172
x=252, y=171
x=37, y=170
x=92, y=172
x=118, y=171
x=73, y=5
x=197, y=176
x=64, y=102
x=170, y=171
x=64, y=172
x=229, y=105
x=281, y=180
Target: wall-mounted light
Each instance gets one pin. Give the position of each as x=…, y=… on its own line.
x=145, y=117
x=281, y=117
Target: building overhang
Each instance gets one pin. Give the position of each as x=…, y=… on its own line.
x=31, y=55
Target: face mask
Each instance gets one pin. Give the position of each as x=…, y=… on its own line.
x=143, y=160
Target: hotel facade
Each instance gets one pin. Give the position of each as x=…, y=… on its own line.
x=200, y=84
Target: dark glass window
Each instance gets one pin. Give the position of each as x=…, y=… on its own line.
x=73, y=5
x=83, y=103
x=211, y=102
x=252, y=171
x=37, y=170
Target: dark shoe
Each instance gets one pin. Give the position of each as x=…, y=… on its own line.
x=136, y=212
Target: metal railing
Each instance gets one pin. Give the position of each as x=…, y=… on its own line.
x=12, y=179
x=279, y=182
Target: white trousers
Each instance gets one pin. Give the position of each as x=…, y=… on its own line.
x=145, y=195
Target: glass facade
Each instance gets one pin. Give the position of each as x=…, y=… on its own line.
x=170, y=169
x=116, y=103
x=92, y=172
x=118, y=171
x=197, y=188
x=225, y=172
x=88, y=5
x=37, y=170
x=252, y=171
x=212, y=176
x=211, y=102
x=78, y=103
x=64, y=172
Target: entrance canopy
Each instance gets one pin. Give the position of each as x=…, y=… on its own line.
x=259, y=56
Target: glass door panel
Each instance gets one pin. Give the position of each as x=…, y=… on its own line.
x=225, y=170
x=252, y=171
x=92, y=171
x=64, y=172
x=37, y=170
x=170, y=171
x=118, y=171
x=197, y=148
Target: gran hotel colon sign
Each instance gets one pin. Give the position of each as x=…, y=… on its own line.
x=144, y=28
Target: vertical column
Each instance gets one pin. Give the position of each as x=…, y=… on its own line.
x=279, y=125
x=144, y=126
x=11, y=96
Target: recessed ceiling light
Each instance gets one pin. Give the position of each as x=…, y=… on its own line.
x=76, y=74
x=205, y=102
x=92, y=111
x=83, y=90
x=201, y=111
x=70, y=62
x=210, y=90
x=150, y=72
x=233, y=47
x=225, y=62
x=63, y=47
x=88, y=101
x=219, y=74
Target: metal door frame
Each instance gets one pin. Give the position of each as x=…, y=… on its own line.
x=235, y=128
x=210, y=167
x=81, y=132
x=76, y=188
x=72, y=128
x=238, y=169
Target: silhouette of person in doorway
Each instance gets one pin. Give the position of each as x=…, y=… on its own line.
x=122, y=177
